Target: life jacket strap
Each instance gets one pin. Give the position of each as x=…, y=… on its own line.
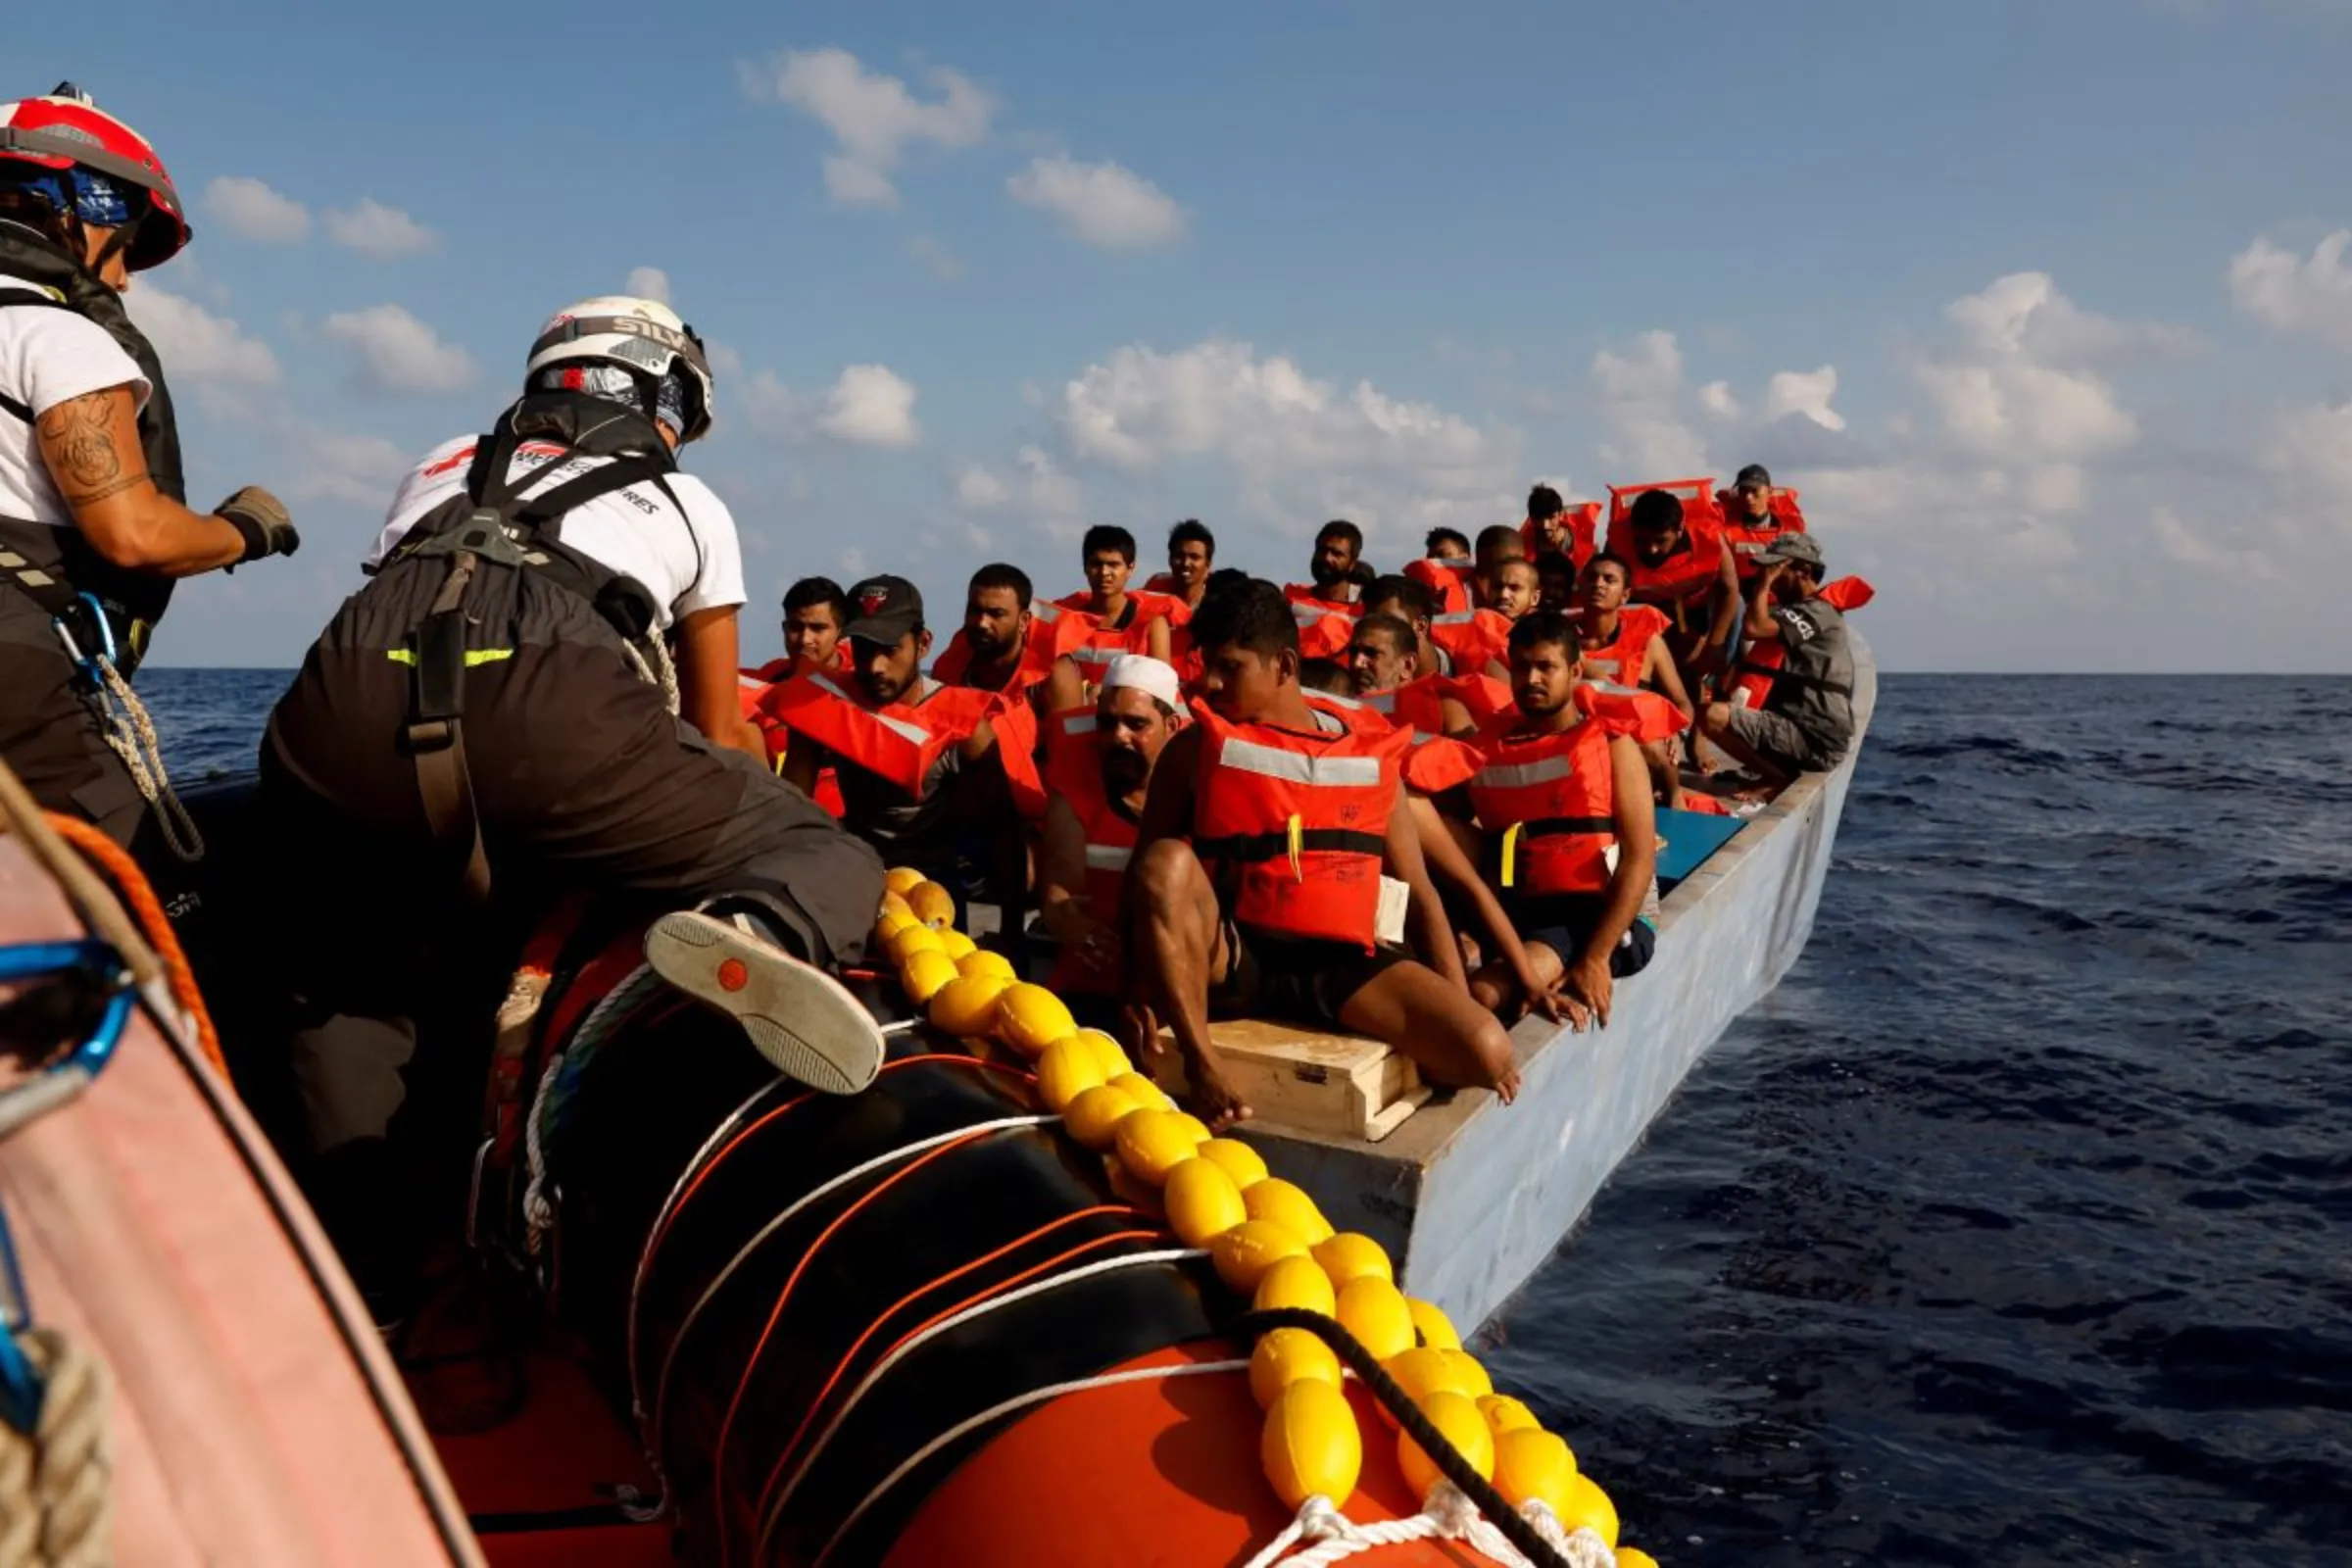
x=1288, y=842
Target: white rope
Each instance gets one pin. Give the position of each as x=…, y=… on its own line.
x=538, y=1213
x=56, y=1494
x=1328, y=1536
x=1018, y=1402
x=131, y=733
x=657, y=671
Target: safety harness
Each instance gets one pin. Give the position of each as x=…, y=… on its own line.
x=491, y=525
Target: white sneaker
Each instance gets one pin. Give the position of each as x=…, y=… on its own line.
x=802, y=1019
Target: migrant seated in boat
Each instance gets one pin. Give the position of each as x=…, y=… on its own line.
x=815, y=612
x=1806, y=720
x=1099, y=773
x=1497, y=544
x=1445, y=568
x=1623, y=646
x=1332, y=587
x=1008, y=642
x=918, y=763
x=1465, y=642
x=1682, y=566
x=1255, y=887
x=1555, y=529
x=1562, y=801
x=1123, y=622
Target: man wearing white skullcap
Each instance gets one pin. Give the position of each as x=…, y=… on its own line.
x=1097, y=775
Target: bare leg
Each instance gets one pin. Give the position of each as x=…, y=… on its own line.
x=1453, y=1039
x=1180, y=942
x=1664, y=776
x=1497, y=989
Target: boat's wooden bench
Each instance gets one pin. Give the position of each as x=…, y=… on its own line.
x=1340, y=1086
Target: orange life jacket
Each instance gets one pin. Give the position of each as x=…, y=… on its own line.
x=1095, y=645
x=1293, y=826
x=751, y=686
x=1075, y=773
x=1053, y=632
x=1582, y=522
x=1681, y=583
x=1760, y=662
x=1621, y=660
x=1323, y=635
x=1747, y=540
x=1308, y=609
x=1150, y=604
x=1553, y=800
x=899, y=743
x=1472, y=639
x=1447, y=579
x=1420, y=705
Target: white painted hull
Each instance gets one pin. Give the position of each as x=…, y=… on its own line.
x=1472, y=1195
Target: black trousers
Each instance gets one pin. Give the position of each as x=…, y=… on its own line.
x=51, y=735
x=583, y=780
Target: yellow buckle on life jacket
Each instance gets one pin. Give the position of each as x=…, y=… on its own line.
x=1298, y=834
x=1510, y=854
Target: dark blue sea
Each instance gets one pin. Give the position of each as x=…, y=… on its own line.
x=2016, y=1226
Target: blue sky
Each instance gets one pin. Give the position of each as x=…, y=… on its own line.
x=2038, y=304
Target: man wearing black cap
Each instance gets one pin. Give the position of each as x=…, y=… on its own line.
x=907, y=750
x=1807, y=721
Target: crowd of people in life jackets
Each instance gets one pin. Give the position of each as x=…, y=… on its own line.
x=1409, y=805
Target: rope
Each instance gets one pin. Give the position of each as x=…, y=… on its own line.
x=538, y=1209
x=131, y=733
x=154, y=924
x=1529, y=1545
x=56, y=1492
x=658, y=670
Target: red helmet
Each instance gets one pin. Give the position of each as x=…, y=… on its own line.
x=64, y=131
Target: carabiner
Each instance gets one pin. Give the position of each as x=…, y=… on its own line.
x=22, y=1392
x=62, y=1080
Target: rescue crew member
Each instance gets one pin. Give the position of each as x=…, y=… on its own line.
x=1128, y=622
x=1754, y=516
x=1552, y=527
x=1192, y=557
x=1255, y=885
x=93, y=532
x=1562, y=785
x=1445, y=568
x=487, y=715
x=1807, y=720
x=916, y=758
x=1496, y=544
x=1099, y=781
x=1332, y=588
x=1682, y=566
x=1623, y=646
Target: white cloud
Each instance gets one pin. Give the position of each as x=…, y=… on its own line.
x=942, y=261
x=1104, y=205
x=2014, y=382
x=874, y=118
x=2311, y=450
x=648, y=283
x=251, y=210
x=2295, y=296
x=1804, y=392
x=1640, y=393
x=2200, y=548
x=867, y=405
x=871, y=405
x=394, y=354
x=195, y=345
x=360, y=470
x=379, y=232
x=980, y=489
x=1716, y=397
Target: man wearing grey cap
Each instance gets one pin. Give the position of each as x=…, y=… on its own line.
x=1754, y=514
x=1807, y=721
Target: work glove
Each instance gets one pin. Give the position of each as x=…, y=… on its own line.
x=263, y=519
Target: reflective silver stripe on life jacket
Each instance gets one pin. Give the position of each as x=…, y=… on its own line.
x=1108, y=857
x=1297, y=767
x=904, y=730
x=1519, y=775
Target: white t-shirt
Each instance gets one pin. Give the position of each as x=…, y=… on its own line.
x=688, y=563
x=48, y=357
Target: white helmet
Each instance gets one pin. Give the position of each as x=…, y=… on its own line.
x=643, y=338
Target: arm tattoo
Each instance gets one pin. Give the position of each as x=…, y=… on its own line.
x=77, y=437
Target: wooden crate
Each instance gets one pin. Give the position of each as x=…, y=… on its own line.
x=1293, y=1076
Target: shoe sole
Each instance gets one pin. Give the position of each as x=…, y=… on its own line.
x=800, y=1018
